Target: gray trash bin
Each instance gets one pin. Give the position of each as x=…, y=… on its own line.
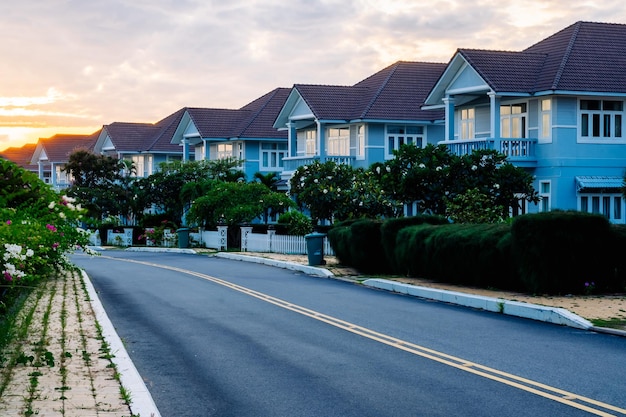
x=183, y=237
x=315, y=248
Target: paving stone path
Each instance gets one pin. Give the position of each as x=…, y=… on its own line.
x=62, y=367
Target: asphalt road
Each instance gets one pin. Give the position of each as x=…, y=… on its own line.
x=216, y=337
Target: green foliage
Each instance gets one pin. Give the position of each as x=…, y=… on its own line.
x=389, y=233
x=472, y=206
x=333, y=191
x=297, y=223
x=235, y=203
x=21, y=188
x=340, y=238
x=558, y=252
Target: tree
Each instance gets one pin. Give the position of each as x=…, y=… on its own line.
x=235, y=203
x=270, y=180
x=98, y=183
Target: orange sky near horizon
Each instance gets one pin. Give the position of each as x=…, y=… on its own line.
x=72, y=67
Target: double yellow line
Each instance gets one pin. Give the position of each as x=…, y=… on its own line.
x=555, y=394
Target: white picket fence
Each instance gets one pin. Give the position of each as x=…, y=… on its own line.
x=250, y=242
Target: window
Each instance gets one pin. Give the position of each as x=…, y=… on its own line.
x=310, y=141
x=467, y=124
x=272, y=155
x=544, y=194
x=513, y=120
x=601, y=119
x=338, y=141
x=545, y=119
x=403, y=135
x=360, y=142
x=520, y=207
x=224, y=150
x=609, y=205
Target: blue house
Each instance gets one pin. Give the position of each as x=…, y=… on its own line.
x=145, y=144
x=364, y=123
x=555, y=109
x=245, y=134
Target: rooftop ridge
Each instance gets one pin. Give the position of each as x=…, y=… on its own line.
x=381, y=87
x=566, y=55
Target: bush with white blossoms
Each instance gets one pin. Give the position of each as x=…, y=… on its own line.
x=37, y=231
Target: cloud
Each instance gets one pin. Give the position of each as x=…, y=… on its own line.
x=140, y=60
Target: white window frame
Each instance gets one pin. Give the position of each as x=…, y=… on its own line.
x=224, y=150
x=338, y=141
x=272, y=154
x=545, y=204
x=513, y=124
x=310, y=142
x=610, y=205
x=398, y=135
x=545, y=120
x=360, y=142
x=588, y=118
x=467, y=123
x=523, y=203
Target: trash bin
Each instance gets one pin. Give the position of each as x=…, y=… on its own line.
x=315, y=248
x=183, y=237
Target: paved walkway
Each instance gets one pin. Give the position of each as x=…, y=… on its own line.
x=62, y=367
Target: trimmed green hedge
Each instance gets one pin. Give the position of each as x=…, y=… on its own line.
x=559, y=252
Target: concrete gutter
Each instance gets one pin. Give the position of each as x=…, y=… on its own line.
x=310, y=270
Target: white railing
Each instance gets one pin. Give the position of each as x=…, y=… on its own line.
x=292, y=163
x=260, y=242
x=515, y=149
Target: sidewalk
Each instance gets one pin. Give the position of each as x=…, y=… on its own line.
x=92, y=374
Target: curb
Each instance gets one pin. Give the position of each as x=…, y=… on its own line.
x=554, y=315
x=311, y=270
x=141, y=402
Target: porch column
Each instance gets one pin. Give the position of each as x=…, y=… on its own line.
x=448, y=103
x=53, y=174
x=321, y=142
x=206, y=149
x=40, y=169
x=494, y=112
x=185, y=143
x=292, y=139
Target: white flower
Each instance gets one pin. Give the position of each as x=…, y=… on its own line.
x=378, y=169
x=474, y=167
x=62, y=215
x=388, y=168
x=316, y=180
x=438, y=169
x=422, y=166
x=51, y=205
x=496, y=186
x=29, y=252
x=325, y=191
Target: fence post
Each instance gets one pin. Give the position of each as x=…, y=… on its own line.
x=245, y=231
x=222, y=231
x=271, y=232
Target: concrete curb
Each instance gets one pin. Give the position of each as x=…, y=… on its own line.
x=553, y=315
x=311, y=270
x=159, y=249
x=141, y=401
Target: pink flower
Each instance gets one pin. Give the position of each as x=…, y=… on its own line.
x=55, y=245
x=51, y=228
x=8, y=222
x=7, y=276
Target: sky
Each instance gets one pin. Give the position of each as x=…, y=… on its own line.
x=72, y=66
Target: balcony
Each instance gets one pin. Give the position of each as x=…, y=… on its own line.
x=293, y=162
x=519, y=151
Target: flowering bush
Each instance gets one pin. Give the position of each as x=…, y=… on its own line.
x=36, y=231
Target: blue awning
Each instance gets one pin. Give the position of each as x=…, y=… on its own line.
x=599, y=184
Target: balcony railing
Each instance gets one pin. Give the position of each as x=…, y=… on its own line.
x=293, y=162
x=519, y=151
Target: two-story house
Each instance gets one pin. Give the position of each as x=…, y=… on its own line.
x=555, y=108
x=364, y=123
x=145, y=144
x=51, y=154
x=245, y=134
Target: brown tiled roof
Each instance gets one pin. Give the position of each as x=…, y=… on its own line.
x=21, y=156
x=59, y=147
x=585, y=56
x=162, y=141
x=217, y=123
x=131, y=137
x=394, y=93
x=263, y=112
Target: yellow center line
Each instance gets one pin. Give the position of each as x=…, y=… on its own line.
x=543, y=390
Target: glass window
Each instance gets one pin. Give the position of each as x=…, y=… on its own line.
x=545, y=130
x=338, y=141
x=601, y=119
x=545, y=194
x=609, y=205
x=513, y=120
x=272, y=155
x=467, y=124
x=403, y=135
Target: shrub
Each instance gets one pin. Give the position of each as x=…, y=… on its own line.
x=366, y=250
x=340, y=239
x=558, y=252
x=389, y=232
x=297, y=223
x=411, y=255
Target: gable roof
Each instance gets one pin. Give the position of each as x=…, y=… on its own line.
x=254, y=120
x=583, y=57
x=21, y=156
x=394, y=93
x=57, y=148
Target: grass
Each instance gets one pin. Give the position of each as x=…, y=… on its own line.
x=613, y=323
